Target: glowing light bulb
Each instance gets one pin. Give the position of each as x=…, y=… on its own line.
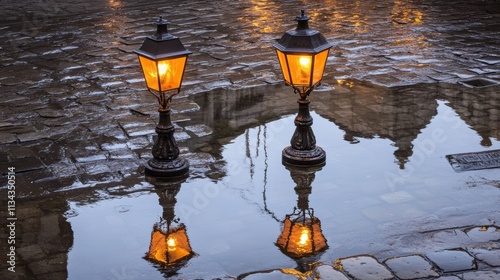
x=305, y=61
x=304, y=69
x=162, y=68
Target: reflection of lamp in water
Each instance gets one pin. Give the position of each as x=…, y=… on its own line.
x=301, y=236
x=170, y=245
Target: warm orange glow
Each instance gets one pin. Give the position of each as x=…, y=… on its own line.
x=261, y=16
x=304, y=237
x=169, y=248
x=115, y=4
x=345, y=83
x=319, y=65
x=404, y=13
x=284, y=66
x=302, y=70
x=299, y=239
x=163, y=75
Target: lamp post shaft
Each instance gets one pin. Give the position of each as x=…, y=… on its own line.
x=165, y=147
x=303, y=138
x=303, y=149
x=166, y=161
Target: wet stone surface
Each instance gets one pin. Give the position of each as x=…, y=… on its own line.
x=411, y=267
x=488, y=253
x=6, y=138
x=452, y=260
x=328, y=272
x=199, y=130
x=483, y=275
x=484, y=234
x=365, y=267
x=270, y=275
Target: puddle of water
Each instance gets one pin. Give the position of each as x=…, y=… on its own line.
x=386, y=176
x=361, y=196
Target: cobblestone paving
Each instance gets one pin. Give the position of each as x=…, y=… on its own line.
x=447, y=264
x=75, y=114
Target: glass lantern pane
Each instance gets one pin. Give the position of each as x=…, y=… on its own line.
x=171, y=72
x=150, y=72
x=319, y=65
x=284, y=66
x=300, y=69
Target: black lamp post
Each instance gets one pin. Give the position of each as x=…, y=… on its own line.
x=163, y=60
x=302, y=54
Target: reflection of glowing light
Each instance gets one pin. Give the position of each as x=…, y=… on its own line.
x=417, y=43
x=261, y=16
x=304, y=237
x=345, y=83
x=337, y=264
x=171, y=243
x=115, y=3
x=418, y=18
x=301, y=238
x=402, y=12
x=169, y=246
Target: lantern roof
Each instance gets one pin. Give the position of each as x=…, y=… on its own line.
x=302, y=39
x=162, y=44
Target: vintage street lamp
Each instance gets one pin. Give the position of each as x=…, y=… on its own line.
x=301, y=237
x=170, y=247
x=163, y=60
x=302, y=54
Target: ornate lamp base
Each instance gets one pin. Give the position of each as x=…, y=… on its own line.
x=166, y=161
x=167, y=168
x=303, y=149
x=316, y=156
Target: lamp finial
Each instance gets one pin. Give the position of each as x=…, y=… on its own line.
x=302, y=20
x=161, y=28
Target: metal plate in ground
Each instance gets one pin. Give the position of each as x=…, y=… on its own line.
x=475, y=161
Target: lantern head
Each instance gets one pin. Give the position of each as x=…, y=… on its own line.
x=302, y=54
x=163, y=60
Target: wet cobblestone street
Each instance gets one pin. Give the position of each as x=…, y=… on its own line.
x=79, y=75
x=76, y=115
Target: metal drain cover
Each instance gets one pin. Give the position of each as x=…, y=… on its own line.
x=475, y=161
